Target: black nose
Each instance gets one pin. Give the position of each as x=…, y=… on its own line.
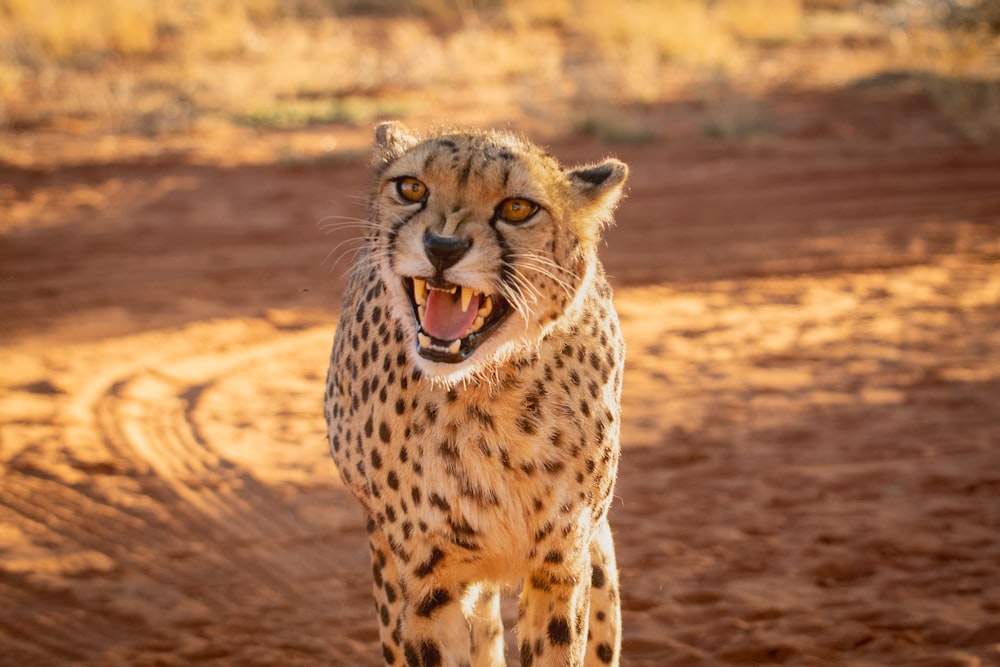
x=445, y=251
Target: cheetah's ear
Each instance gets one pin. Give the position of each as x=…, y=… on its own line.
x=598, y=187
x=392, y=139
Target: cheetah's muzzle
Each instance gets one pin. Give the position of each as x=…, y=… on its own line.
x=452, y=320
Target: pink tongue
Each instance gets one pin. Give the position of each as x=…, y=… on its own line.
x=443, y=317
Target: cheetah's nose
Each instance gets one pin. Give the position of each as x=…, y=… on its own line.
x=445, y=251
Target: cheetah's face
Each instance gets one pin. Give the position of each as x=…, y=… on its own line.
x=483, y=241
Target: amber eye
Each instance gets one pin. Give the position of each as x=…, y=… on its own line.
x=516, y=210
x=411, y=189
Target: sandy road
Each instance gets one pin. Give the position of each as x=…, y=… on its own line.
x=811, y=471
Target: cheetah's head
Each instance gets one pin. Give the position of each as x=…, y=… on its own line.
x=484, y=242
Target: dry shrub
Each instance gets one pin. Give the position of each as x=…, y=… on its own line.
x=770, y=20
x=64, y=29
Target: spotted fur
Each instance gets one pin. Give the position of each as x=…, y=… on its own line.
x=487, y=461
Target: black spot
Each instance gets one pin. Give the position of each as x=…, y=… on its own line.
x=384, y=433
x=434, y=601
x=605, y=653
x=439, y=502
x=463, y=174
x=397, y=549
x=388, y=655
x=383, y=613
x=448, y=449
x=527, y=657
x=369, y=428
x=461, y=527
x=559, y=632
x=597, y=579
x=392, y=480
x=415, y=494
x=400, y=406
x=539, y=582
x=430, y=654
x=390, y=513
x=526, y=425
x=483, y=418
x=554, y=557
x=412, y=659
x=390, y=593
x=425, y=568
x=376, y=459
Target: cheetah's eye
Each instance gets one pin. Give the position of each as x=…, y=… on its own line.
x=516, y=210
x=411, y=189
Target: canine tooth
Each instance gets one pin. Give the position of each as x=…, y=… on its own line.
x=424, y=340
x=467, y=293
x=477, y=323
x=486, y=308
x=421, y=311
x=420, y=291
x=455, y=346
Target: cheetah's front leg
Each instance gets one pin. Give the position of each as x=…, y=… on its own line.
x=487, y=628
x=387, y=594
x=605, y=634
x=553, y=615
x=420, y=624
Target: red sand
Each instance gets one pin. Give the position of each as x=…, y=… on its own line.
x=811, y=468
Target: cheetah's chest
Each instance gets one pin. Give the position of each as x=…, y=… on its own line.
x=487, y=475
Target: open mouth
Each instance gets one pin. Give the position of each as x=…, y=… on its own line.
x=453, y=320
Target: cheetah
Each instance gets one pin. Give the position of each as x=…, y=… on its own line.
x=473, y=397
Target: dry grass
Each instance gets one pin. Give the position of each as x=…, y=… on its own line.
x=152, y=67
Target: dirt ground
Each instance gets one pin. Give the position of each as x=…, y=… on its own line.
x=811, y=466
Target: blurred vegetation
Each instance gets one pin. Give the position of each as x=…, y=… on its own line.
x=151, y=67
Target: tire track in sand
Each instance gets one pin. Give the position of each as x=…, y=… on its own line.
x=152, y=535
